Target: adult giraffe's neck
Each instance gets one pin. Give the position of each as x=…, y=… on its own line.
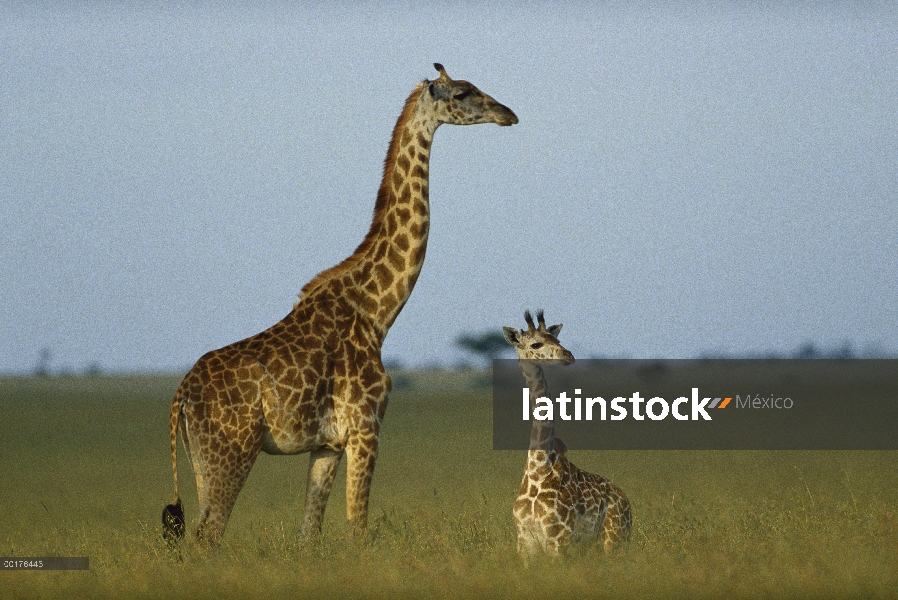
x=541, y=432
x=379, y=276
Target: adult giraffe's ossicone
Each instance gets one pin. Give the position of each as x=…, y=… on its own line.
x=314, y=382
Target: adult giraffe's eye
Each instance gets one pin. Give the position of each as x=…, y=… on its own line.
x=536, y=345
x=462, y=95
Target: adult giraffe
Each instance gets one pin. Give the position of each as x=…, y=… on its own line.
x=314, y=382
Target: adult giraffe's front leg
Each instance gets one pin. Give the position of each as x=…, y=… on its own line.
x=323, y=464
x=361, y=454
x=369, y=397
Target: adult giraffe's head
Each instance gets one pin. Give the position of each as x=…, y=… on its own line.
x=538, y=344
x=461, y=103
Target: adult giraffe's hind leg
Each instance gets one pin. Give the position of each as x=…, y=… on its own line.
x=323, y=466
x=224, y=480
x=223, y=450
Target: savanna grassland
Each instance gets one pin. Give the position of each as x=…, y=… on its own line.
x=84, y=466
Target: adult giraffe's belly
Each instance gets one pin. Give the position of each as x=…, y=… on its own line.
x=296, y=437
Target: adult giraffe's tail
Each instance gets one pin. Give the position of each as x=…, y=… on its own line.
x=173, y=514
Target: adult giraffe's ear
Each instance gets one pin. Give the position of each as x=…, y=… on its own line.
x=511, y=335
x=555, y=330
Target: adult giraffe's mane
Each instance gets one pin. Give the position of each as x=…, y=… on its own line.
x=384, y=195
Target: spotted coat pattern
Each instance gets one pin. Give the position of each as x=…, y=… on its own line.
x=558, y=503
x=314, y=382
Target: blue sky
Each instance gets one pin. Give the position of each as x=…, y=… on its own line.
x=684, y=178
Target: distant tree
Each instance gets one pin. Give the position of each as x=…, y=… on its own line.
x=806, y=350
x=810, y=350
x=43, y=363
x=489, y=344
x=845, y=351
x=94, y=369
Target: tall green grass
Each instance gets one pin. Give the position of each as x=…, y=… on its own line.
x=84, y=467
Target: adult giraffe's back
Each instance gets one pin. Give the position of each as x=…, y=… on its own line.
x=314, y=382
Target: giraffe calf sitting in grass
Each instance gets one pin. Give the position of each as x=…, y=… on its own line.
x=558, y=503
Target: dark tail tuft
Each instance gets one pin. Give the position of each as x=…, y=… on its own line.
x=173, y=522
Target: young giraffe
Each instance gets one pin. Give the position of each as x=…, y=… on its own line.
x=558, y=503
x=314, y=382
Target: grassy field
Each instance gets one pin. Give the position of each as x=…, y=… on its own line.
x=84, y=466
